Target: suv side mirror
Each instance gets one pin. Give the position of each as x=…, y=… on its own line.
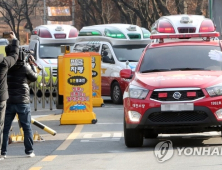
x=126, y=73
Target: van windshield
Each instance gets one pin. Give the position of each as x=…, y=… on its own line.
x=51, y=50
x=128, y=52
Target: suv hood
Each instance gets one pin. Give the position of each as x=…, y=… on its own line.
x=177, y=79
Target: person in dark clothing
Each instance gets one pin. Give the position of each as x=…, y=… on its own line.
x=6, y=63
x=18, y=79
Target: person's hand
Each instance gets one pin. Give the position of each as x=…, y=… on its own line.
x=215, y=55
x=31, y=60
x=12, y=35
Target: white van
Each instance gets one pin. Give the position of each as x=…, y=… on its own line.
x=120, y=46
x=46, y=41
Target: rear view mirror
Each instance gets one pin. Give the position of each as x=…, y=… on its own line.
x=126, y=73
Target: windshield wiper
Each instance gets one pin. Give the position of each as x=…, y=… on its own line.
x=188, y=68
x=154, y=70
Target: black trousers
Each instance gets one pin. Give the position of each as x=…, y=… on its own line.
x=2, y=120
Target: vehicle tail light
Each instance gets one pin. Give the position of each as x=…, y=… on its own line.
x=207, y=26
x=73, y=33
x=165, y=27
x=191, y=94
x=162, y=95
x=44, y=33
x=60, y=35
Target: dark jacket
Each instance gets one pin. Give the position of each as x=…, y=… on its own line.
x=18, y=79
x=5, y=64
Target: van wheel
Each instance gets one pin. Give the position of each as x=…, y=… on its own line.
x=116, y=94
x=133, y=137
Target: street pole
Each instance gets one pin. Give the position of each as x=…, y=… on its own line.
x=210, y=4
x=73, y=9
x=45, y=12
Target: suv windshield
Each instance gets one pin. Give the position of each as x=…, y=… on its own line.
x=51, y=50
x=179, y=58
x=128, y=52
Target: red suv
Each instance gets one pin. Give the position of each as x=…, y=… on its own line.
x=176, y=88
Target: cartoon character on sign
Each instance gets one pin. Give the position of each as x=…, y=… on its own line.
x=78, y=107
x=94, y=94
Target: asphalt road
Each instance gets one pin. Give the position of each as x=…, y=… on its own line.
x=101, y=146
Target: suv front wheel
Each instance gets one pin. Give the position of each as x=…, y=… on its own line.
x=133, y=137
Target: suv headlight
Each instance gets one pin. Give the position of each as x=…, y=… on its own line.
x=215, y=90
x=137, y=92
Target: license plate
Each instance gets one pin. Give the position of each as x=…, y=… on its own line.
x=177, y=107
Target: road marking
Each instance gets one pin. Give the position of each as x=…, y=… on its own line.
x=90, y=137
x=49, y=158
x=106, y=135
x=35, y=168
x=117, y=135
x=70, y=138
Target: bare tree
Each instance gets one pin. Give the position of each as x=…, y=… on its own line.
x=28, y=11
x=16, y=11
x=12, y=11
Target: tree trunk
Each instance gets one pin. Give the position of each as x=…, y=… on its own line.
x=162, y=7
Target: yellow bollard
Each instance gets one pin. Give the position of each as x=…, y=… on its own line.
x=43, y=127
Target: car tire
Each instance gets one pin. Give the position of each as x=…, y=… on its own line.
x=150, y=134
x=116, y=94
x=133, y=137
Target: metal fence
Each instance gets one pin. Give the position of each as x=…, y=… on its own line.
x=44, y=90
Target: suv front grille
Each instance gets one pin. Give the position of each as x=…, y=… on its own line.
x=199, y=94
x=185, y=116
x=186, y=29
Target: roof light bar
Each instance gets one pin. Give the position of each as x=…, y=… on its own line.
x=90, y=33
x=191, y=35
x=44, y=33
x=165, y=27
x=146, y=33
x=73, y=33
x=60, y=36
x=114, y=33
x=207, y=26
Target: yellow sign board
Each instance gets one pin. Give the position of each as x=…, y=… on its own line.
x=77, y=89
x=96, y=79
